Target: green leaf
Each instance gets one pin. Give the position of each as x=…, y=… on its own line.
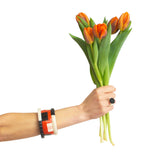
x=81, y=43
x=81, y=26
x=94, y=66
x=86, y=49
x=83, y=22
x=93, y=76
x=105, y=21
x=89, y=53
x=116, y=47
x=92, y=23
x=104, y=50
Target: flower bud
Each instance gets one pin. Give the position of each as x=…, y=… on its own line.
x=88, y=35
x=100, y=30
x=114, y=24
x=83, y=16
x=124, y=21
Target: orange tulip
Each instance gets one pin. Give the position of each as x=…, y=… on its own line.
x=100, y=30
x=114, y=24
x=88, y=35
x=83, y=16
x=124, y=21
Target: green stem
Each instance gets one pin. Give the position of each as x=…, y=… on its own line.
x=101, y=130
x=103, y=121
x=98, y=74
x=109, y=128
x=105, y=83
x=107, y=115
x=106, y=76
x=105, y=128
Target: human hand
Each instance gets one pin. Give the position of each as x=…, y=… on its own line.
x=97, y=103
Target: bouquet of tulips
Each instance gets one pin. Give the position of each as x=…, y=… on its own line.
x=101, y=53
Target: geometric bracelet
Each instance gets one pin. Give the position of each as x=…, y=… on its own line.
x=40, y=123
x=47, y=122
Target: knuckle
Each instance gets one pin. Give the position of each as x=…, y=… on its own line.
x=97, y=94
x=97, y=91
x=111, y=95
x=107, y=103
x=99, y=99
x=111, y=108
x=114, y=94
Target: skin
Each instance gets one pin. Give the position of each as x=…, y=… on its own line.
x=23, y=125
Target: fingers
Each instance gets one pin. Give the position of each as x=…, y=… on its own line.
x=106, y=89
x=105, y=98
x=108, y=109
x=105, y=95
x=108, y=92
x=109, y=95
x=102, y=96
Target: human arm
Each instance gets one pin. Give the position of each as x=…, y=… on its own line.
x=22, y=125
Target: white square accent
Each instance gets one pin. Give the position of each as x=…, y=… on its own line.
x=49, y=127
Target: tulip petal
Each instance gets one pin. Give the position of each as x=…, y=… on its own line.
x=124, y=21
x=82, y=16
x=100, y=30
x=88, y=35
x=95, y=31
x=114, y=24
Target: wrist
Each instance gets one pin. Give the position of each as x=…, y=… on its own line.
x=83, y=116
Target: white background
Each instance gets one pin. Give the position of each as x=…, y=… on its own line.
x=41, y=66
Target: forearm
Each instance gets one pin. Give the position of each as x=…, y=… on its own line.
x=18, y=125
x=70, y=116
x=22, y=125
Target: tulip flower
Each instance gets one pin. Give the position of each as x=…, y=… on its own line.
x=114, y=24
x=100, y=30
x=124, y=21
x=88, y=35
x=82, y=16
